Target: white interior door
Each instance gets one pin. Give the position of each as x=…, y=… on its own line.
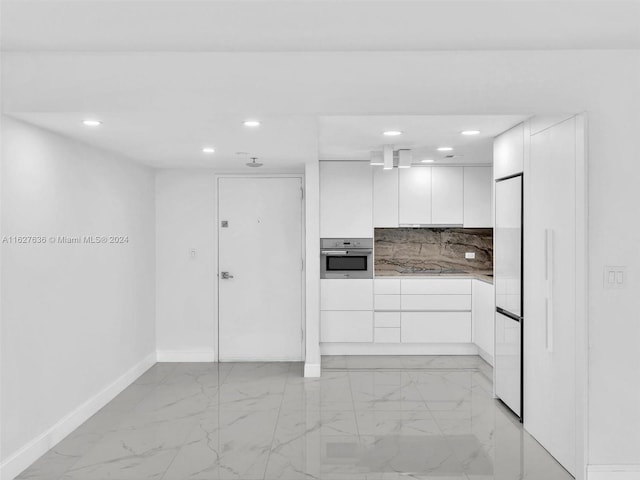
x=260, y=251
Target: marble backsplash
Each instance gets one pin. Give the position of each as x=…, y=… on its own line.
x=432, y=250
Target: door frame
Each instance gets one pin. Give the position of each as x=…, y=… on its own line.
x=303, y=271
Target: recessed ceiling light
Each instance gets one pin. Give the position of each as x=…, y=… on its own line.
x=251, y=123
x=427, y=160
x=208, y=150
x=91, y=123
x=445, y=149
x=392, y=133
x=470, y=132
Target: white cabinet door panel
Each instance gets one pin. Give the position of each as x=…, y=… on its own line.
x=354, y=294
x=436, y=327
x=436, y=302
x=478, y=187
x=386, y=319
x=507, y=361
x=387, y=335
x=385, y=197
x=386, y=286
x=483, y=311
x=346, y=200
x=387, y=302
x=415, y=196
x=349, y=326
x=508, y=152
x=429, y=286
x=447, y=206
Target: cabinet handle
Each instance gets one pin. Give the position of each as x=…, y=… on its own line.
x=548, y=252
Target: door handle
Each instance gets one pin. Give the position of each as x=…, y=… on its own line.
x=225, y=275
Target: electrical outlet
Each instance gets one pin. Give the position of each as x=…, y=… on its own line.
x=470, y=255
x=615, y=277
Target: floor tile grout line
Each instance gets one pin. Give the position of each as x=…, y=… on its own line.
x=275, y=427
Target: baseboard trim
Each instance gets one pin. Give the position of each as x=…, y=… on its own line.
x=312, y=370
x=485, y=356
x=29, y=453
x=613, y=472
x=398, y=349
x=186, y=356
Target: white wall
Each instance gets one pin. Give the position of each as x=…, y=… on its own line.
x=186, y=286
x=77, y=319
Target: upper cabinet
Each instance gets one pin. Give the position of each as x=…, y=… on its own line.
x=446, y=195
x=508, y=152
x=346, y=200
x=478, y=193
x=355, y=197
x=415, y=196
x=385, y=197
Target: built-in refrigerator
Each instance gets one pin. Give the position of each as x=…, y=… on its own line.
x=508, y=287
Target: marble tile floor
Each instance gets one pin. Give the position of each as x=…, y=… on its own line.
x=366, y=418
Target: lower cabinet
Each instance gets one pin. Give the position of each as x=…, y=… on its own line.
x=435, y=327
x=350, y=326
x=387, y=335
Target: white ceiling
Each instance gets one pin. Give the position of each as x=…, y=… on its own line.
x=353, y=137
x=318, y=25
x=173, y=140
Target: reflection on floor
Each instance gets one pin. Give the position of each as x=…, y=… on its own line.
x=374, y=418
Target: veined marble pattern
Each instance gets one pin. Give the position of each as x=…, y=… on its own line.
x=366, y=418
x=405, y=250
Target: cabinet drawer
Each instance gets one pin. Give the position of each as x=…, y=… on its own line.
x=386, y=319
x=387, y=302
x=340, y=294
x=436, y=327
x=436, y=286
x=386, y=286
x=436, y=302
x=387, y=335
x=347, y=326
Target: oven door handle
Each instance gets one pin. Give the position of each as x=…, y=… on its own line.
x=358, y=252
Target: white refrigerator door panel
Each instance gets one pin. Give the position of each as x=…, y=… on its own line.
x=507, y=361
x=508, y=245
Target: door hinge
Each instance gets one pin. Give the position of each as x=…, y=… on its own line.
x=302, y=193
x=302, y=264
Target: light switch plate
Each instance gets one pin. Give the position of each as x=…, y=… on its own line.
x=470, y=255
x=615, y=277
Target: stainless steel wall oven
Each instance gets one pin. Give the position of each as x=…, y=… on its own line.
x=346, y=258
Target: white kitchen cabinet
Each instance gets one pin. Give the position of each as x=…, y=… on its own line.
x=508, y=152
x=386, y=286
x=386, y=319
x=435, y=286
x=483, y=308
x=346, y=200
x=447, y=185
x=387, y=302
x=436, y=302
x=385, y=197
x=346, y=294
x=551, y=315
x=436, y=327
x=478, y=187
x=387, y=335
x=414, y=196
x=346, y=326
